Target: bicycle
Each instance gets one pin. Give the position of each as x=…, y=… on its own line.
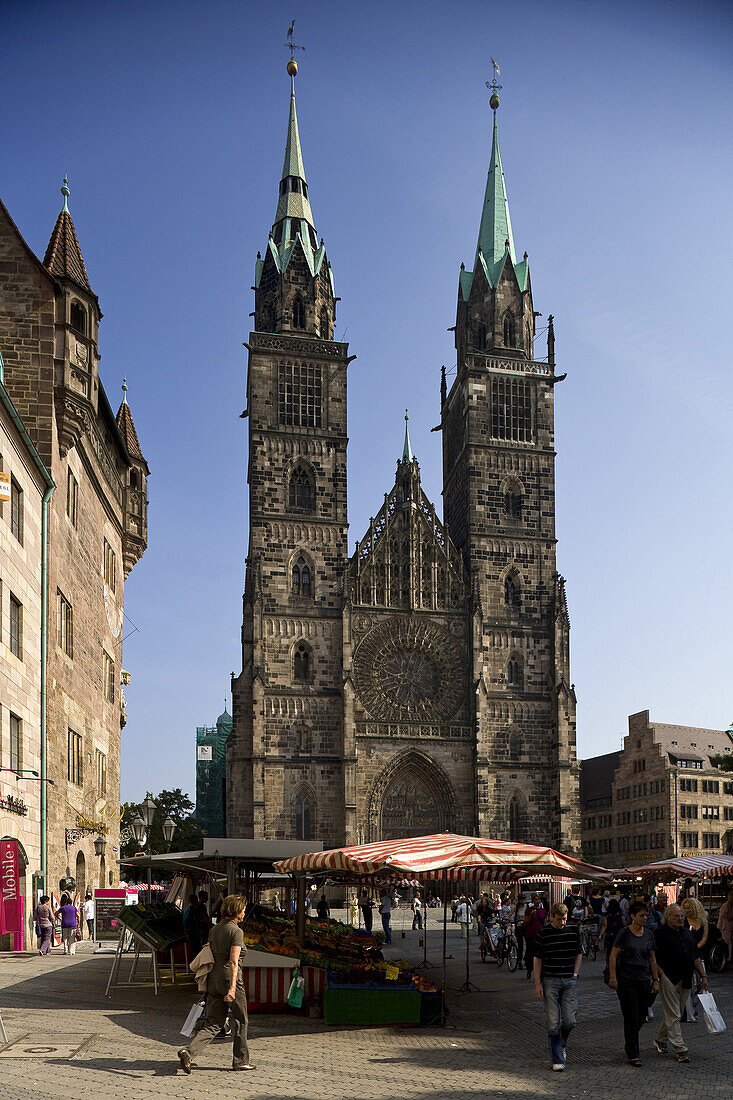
x=588, y=942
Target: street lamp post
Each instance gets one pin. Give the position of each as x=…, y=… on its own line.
x=147, y=810
x=169, y=828
x=100, y=845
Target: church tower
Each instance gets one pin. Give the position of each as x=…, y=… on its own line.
x=285, y=754
x=499, y=500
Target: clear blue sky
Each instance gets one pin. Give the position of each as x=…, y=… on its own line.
x=170, y=118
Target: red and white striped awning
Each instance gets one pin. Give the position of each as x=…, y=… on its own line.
x=444, y=855
x=684, y=867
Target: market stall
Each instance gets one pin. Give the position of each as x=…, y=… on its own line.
x=445, y=858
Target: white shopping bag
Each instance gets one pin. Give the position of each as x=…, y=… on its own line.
x=192, y=1019
x=714, y=1022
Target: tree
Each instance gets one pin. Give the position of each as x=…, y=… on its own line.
x=724, y=761
x=176, y=804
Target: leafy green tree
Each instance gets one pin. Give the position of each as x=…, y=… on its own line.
x=176, y=804
x=724, y=761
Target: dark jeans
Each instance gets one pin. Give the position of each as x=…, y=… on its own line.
x=529, y=953
x=560, y=998
x=367, y=914
x=519, y=933
x=633, y=997
x=386, y=918
x=217, y=1010
x=417, y=920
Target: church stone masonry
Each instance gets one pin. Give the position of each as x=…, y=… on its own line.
x=422, y=684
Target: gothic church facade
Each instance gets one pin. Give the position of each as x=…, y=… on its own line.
x=422, y=683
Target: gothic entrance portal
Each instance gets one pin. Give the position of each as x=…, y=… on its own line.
x=412, y=796
x=409, y=808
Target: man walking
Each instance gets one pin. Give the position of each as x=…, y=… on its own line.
x=557, y=959
x=386, y=905
x=365, y=904
x=416, y=913
x=676, y=960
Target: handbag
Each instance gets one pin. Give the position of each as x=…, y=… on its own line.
x=77, y=935
x=192, y=1019
x=295, y=993
x=714, y=1022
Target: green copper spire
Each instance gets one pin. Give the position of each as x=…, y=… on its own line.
x=496, y=225
x=407, y=455
x=293, y=201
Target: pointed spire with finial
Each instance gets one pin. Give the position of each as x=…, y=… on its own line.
x=63, y=255
x=407, y=455
x=124, y=391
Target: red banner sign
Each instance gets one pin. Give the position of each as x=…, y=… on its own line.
x=11, y=915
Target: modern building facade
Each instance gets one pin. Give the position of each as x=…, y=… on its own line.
x=422, y=683
x=666, y=796
x=211, y=758
x=97, y=531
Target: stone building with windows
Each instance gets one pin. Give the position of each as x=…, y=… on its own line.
x=665, y=796
x=25, y=488
x=422, y=683
x=97, y=531
x=211, y=753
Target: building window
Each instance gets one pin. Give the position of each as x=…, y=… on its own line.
x=512, y=596
x=101, y=762
x=514, y=672
x=302, y=578
x=78, y=318
x=325, y=325
x=728, y=788
x=515, y=747
x=711, y=812
x=72, y=486
x=300, y=395
x=511, y=410
x=710, y=840
x=16, y=743
x=728, y=813
x=689, y=785
x=74, y=772
x=16, y=627
x=110, y=568
x=710, y=786
x=108, y=677
x=513, y=504
x=300, y=490
x=64, y=624
x=16, y=509
x=479, y=337
x=302, y=662
x=688, y=840
x=687, y=812
x=298, y=308
x=509, y=334
x=303, y=817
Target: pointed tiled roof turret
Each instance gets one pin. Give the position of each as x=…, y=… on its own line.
x=63, y=256
x=495, y=238
x=126, y=425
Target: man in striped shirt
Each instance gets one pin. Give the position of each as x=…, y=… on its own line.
x=557, y=959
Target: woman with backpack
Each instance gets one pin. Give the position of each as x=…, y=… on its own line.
x=613, y=922
x=634, y=975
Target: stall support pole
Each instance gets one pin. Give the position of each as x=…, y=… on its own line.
x=468, y=986
x=445, y=948
x=425, y=965
x=231, y=875
x=300, y=909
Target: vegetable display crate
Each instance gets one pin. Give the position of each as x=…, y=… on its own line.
x=360, y=1005
x=430, y=1008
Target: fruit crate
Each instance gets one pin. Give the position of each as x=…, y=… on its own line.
x=360, y=1005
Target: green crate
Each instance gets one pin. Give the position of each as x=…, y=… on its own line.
x=371, y=1006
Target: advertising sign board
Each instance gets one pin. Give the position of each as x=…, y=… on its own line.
x=11, y=915
x=107, y=904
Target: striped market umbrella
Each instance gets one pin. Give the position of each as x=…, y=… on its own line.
x=685, y=867
x=444, y=856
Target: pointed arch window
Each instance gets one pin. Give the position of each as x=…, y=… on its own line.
x=479, y=337
x=303, y=816
x=301, y=493
x=513, y=502
x=324, y=327
x=509, y=330
x=515, y=746
x=78, y=318
x=302, y=662
x=512, y=594
x=301, y=580
x=516, y=820
x=514, y=675
x=298, y=311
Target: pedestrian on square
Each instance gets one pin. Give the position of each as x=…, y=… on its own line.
x=416, y=913
x=725, y=924
x=225, y=988
x=519, y=910
x=365, y=904
x=454, y=910
x=44, y=925
x=386, y=905
x=463, y=914
x=322, y=910
x=676, y=961
x=89, y=914
x=484, y=912
x=697, y=922
x=69, y=924
x=612, y=924
x=557, y=959
x=354, y=911
x=534, y=920
x=633, y=966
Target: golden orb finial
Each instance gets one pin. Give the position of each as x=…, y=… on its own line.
x=293, y=67
x=494, y=101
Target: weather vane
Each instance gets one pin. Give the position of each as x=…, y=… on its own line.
x=290, y=45
x=494, y=85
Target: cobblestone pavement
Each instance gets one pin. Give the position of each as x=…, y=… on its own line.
x=67, y=1038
